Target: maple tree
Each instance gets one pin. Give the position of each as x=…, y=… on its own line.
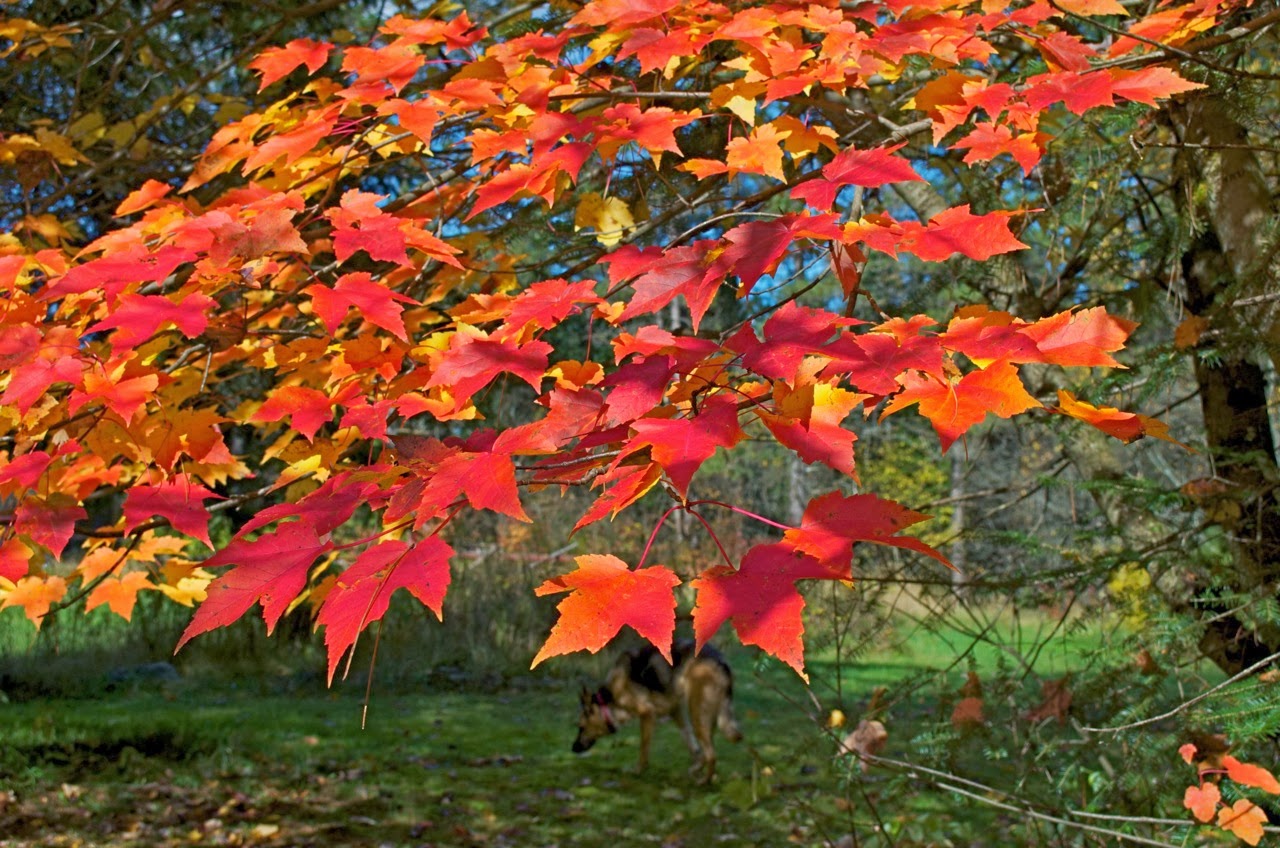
x=333, y=256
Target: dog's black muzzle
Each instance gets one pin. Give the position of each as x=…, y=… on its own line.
x=580, y=744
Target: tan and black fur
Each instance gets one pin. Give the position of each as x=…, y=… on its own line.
x=696, y=691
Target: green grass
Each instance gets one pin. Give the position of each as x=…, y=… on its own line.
x=209, y=764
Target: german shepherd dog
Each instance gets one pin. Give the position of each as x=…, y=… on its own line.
x=696, y=691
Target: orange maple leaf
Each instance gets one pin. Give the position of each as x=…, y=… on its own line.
x=1245, y=819
x=606, y=595
x=1202, y=800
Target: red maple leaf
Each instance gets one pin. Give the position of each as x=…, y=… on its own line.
x=625, y=484
x=271, y=569
x=681, y=445
x=606, y=595
x=754, y=249
x=125, y=396
x=869, y=168
x=372, y=300
x=307, y=409
x=546, y=304
x=363, y=592
x=761, y=600
x=137, y=317
x=791, y=333
x=874, y=361
x=48, y=521
x=956, y=230
x=277, y=62
x=472, y=361
x=21, y=473
x=486, y=478
x=663, y=275
x=15, y=559
x=636, y=387
x=833, y=523
x=178, y=499
x=325, y=509
x=816, y=435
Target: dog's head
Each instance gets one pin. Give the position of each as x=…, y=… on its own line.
x=595, y=719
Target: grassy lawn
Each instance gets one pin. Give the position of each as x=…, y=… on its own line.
x=202, y=764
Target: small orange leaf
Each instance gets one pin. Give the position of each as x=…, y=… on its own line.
x=1244, y=819
x=1251, y=775
x=1189, y=332
x=1202, y=801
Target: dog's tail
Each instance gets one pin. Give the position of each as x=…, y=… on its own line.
x=725, y=721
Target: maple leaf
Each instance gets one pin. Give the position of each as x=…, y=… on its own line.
x=119, y=593
x=954, y=407
x=791, y=333
x=681, y=445
x=137, y=317
x=545, y=304
x=272, y=569
x=1149, y=84
x=1125, y=426
x=373, y=301
x=362, y=594
x=35, y=595
x=14, y=560
x=1245, y=819
x=874, y=361
x=307, y=409
x=179, y=500
x=989, y=140
x=1086, y=337
x=636, y=387
x=1202, y=800
x=472, y=361
x=486, y=478
x=274, y=63
x=606, y=595
x=49, y=521
x=54, y=361
x=956, y=230
x=760, y=599
x=663, y=274
x=809, y=424
x=22, y=472
x=868, y=168
x=833, y=523
x=625, y=484
x=125, y=396
x=1249, y=774
x=143, y=197
x=753, y=249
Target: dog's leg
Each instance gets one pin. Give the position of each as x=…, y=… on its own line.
x=646, y=735
x=702, y=720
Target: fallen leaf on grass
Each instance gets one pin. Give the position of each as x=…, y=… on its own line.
x=866, y=740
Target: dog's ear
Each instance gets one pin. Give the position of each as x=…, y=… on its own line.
x=585, y=696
